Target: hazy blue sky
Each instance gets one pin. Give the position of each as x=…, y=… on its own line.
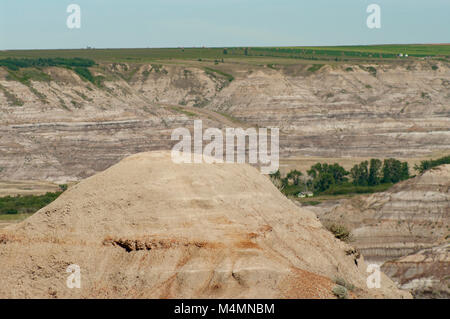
x=39, y=24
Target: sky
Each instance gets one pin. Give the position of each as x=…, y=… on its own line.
x=41, y=24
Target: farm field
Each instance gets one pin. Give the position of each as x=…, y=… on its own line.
x=22, y=188
x=342, y=53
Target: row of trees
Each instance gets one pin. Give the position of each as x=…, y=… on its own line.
x=319, y=177
x=322, y=176
x=377, y=172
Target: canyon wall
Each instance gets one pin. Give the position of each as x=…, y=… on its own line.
x=425, y=273
x=410, y=216
x=64, y=128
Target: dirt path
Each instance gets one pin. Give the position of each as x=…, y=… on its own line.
x=227, y=121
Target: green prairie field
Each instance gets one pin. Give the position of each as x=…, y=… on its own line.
x=337, y=53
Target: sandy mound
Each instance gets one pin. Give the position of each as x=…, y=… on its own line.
x=150, y=228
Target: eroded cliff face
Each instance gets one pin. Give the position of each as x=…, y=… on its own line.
x=425, y=273
x=64, y=128
x=335, y=112
x=412, y=215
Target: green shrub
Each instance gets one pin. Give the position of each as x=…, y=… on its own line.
x=211, y=72
x=11, y=97
x=315, y=67
x=28, y=75
x=78, y=65
x=369, y=69
x=372, y=70
x=342, y=282
x=425, y=95
x=428, y=164
x=15, y=64
x=84, y=73
x=340, y=232
x=159, y=68
x=340, y=292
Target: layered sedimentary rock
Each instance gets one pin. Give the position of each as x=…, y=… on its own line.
x=412, y=215
x=398, y=110
x=426, y=273
x=68, y=128
x=150, y=228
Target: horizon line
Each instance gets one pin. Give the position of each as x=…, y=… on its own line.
x=221, y=47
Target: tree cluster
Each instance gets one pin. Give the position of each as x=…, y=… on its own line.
x=428, y=164
x=323, y=176
x=377, y=172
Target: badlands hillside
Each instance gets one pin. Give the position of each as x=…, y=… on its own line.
x=59, y=127
x=144, y=213
x=149, y=228
x=411, y=215
x=426, y=273
x=406, y=228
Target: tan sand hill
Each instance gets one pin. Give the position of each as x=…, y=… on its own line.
x=149, y=228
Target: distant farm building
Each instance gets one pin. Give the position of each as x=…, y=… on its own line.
x=305, y=194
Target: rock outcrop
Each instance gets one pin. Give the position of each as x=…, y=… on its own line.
x=425, y=273
x=150, y=228
x=410, y=216
x=68, y=129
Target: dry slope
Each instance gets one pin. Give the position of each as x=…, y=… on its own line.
x=426, y=273
x=149, y=228
x=410, y=216
x=69, y=129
